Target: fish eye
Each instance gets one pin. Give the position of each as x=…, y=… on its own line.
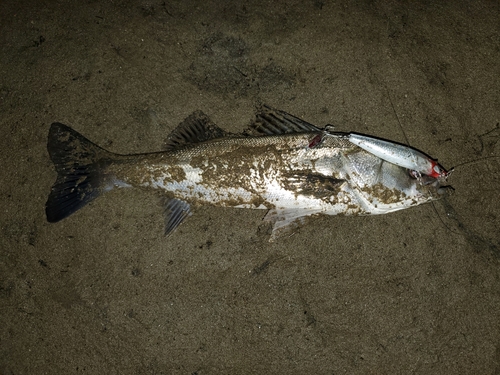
x=414, y=174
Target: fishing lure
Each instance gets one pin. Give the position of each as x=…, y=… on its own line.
x=401, y=155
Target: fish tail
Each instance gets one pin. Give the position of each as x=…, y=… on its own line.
x=81, y=172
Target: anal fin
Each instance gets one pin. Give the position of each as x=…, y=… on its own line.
x=286, y=221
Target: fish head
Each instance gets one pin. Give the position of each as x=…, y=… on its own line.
x=383, y=187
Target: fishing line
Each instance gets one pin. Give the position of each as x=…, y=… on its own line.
x=474, y=161
x=449, y=210
x=408, y=143
x=397, y=117
x=442, y=221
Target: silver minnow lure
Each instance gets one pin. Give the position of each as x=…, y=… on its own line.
x=281, y=164
x=399, y=154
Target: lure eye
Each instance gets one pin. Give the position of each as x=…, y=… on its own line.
x=437, y=171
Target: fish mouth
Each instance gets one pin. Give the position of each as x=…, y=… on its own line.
x=439, y=191
x=435, y=186
x=440, y=185
x=433, y=183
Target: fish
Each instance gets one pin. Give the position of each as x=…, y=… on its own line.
x=281, y=164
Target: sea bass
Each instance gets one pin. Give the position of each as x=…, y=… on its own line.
x=281, y=164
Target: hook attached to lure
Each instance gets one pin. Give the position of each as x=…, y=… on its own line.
x=399, y=154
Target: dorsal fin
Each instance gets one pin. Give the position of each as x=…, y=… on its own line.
x=195, y=128
x=270, y=121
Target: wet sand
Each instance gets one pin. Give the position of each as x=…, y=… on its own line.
x=104, y=292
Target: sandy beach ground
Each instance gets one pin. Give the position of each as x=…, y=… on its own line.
x=104, y=292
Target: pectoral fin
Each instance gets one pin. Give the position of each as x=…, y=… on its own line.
x=175, y=213
x=286, y=221
x=315, y=185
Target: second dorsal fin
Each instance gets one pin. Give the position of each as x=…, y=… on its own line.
x=195, y=128
x=270, y=121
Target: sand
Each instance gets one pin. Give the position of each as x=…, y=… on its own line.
x=104, y=292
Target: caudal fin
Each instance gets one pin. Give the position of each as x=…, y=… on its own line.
x=80, y=166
